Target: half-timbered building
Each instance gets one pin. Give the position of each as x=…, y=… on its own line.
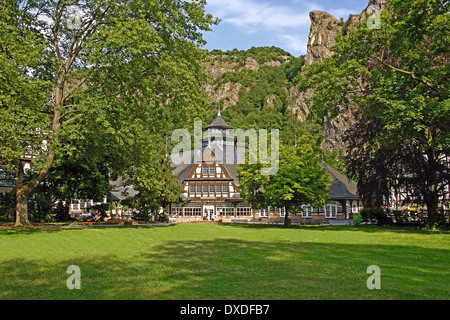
x=211, y=186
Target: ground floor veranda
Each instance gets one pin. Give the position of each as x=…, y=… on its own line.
x=240, y=211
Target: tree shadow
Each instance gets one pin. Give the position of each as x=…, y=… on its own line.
x=59, y=228
x=230, y=269
x=363, y=228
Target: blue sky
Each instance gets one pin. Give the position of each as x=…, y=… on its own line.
x=283, y=23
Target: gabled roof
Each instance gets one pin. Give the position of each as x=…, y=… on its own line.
x=341, y=186
x=219, y=123
x=121, y=190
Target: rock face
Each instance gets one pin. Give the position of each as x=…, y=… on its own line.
x=227, y=92
x=323, y=31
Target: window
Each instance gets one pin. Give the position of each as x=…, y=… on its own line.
x=282, y=212
x=225, y=209
x=218, y=188
x=205, y=190
x=199, y=189
x=264, y=213
x=307, y=212
x=177, y=210
x=193, y=210
x=354, y=207
x=212, y=171
x=205, y=171
x=243, y=210
x=192, y=188
x=211, y=190
x=330, y=211
x=225, y=188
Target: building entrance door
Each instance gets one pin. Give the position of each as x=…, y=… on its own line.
x=209, y=212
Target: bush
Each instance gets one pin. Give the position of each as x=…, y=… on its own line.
x=40, y=207
x=99, y=212
x=401, y=217
x=376, y=216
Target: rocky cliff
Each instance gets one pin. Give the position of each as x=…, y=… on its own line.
x=323, y=31
x=227, y=71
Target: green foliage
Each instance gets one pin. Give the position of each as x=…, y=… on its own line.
x=301, y=178
x=263, y=104
x=293, y=67
x=375, y=216
x=7, y=205
x=336, y=159
x=260, y=54
x=131, y=66
x=40, y=206
x=398, y=75
x=152, y=176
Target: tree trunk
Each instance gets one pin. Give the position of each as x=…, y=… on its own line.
x=287, y=220
x=432, y=202
x=431, y=194
x=66, y=214
x=26, y=188
x=22, y=207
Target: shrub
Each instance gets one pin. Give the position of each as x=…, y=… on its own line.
x=376, y=216
x=400, y=217
x=99, y=212
x=7, y=206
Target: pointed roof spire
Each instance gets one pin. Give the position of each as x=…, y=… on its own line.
x=219, y=123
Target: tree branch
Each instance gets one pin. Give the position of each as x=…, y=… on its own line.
x=428, y=84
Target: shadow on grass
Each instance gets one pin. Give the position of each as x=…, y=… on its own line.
x=57, y=228
x=363, y=228
x=236, y=269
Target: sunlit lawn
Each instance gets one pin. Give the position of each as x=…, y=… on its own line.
x=213, y=261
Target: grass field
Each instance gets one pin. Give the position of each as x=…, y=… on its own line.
x=214, y=261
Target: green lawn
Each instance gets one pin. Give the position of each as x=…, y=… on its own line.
x=213, y=261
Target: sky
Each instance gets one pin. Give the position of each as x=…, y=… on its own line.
x=280, y=23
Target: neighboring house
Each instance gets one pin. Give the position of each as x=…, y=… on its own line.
x=6, y=181
x=120, y=191
x=6, y=186
x=212, y=188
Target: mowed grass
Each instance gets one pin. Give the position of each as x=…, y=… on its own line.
x=214, y=261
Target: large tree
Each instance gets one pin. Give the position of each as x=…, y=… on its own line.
x=301, y=178
x=131, y=65
x=397, y=75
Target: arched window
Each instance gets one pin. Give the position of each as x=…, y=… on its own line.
x=354, y=207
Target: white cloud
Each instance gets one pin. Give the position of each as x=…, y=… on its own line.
x=286, y=22
x=250, y=14
x=295, y=43
x=341, y=13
